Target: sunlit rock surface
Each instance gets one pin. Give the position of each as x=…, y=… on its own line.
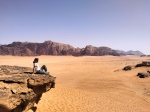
x=20, y=89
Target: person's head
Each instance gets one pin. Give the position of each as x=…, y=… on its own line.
x=36, y=60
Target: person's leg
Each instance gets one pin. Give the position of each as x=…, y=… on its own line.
x=42, y=72
x=44, y=68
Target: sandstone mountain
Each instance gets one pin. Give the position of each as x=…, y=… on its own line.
x=53, y=48
x=131, y=52
x=138, y=53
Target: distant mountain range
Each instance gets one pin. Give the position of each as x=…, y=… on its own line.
x=137, y=53
x=55, y=48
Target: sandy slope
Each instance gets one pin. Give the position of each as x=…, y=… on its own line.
x=91, y=84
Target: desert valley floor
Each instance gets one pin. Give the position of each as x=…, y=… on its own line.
x=91, y=83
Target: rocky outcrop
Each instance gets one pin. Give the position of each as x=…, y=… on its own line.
x=144, y=63
x=30, y=49
x=140, y=74
x=53, y=48
x=20, y=89
x=98, y=51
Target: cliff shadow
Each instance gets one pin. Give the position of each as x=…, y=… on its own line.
x=28, y=72
x=3, y=108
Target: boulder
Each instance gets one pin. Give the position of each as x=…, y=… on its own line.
x=20, y=89
x=144, y=63
x=126, y=68
x=143, y=75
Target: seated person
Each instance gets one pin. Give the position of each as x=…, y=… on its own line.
x=37, y=69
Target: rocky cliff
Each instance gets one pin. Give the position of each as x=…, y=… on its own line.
x=20, y=90
x=53, y=48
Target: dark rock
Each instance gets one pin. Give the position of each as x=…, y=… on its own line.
x=20, y=90
x=139, y=65
x=144, y=63
x=126, y=68
x=143, y=75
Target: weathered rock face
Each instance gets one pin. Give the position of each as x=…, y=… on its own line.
x=53, y=48
x=98, y=51
x=20, y=90
x=89, y=50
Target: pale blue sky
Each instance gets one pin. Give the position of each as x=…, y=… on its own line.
x=119, y=24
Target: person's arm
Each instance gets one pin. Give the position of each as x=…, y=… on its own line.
x=33, y=68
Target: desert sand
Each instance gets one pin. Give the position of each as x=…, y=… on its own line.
x=91, y=83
